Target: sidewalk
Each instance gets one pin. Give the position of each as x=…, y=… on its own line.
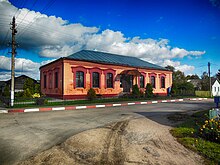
x=56, y=108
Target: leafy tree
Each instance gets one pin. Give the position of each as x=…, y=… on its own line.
x=170, y=68
x=178, y=77
x=180, y=84
x=29, y=84
x=27, y=93
x=37, y=88
x=135, y=91
x=149, y=90
x=218, y=75
x=194, y=76
x=6, y=91
x=205, y=82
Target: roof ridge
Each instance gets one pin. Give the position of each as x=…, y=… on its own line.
x=110, y=58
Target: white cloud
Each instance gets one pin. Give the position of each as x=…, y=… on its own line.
x=54, y=37
x=187, y=69
x=22, y=66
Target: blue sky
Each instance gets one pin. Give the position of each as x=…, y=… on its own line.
x=182, y=33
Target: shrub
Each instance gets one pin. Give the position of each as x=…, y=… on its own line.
x=91, y=94
x=135, y=91
x=27, y=93
x=141, y=94
x=19, y=94
x=36, y=95
x=41, y=101
x=149, y=90
x=202, y=93
x=210, y=130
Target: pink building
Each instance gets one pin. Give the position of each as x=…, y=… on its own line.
x=109, y=74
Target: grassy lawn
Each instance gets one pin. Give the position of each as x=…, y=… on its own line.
x=189, y=135
x=50, y=102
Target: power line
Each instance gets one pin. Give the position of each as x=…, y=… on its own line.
x=5, y=39
x=28, y=12
x=43, y=10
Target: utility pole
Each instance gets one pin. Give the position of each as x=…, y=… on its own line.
x=13, y=53
x=210, y=83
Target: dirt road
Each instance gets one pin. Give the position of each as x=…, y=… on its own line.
x=131, y=141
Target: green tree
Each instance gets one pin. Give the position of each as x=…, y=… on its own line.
x=135, y=91
x=180, y=84
x=29, y=84
x=27, y=93
x=205, y=82
x=194, y=76
x=37, y=88
x=6, y=91
x=149, y=90
x=170, y=68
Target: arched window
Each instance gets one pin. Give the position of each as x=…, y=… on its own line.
x=45, y=81
x=109, y=80
x=56, y=80
x=141, y=81
x=153, y=82
x=80, y=79
x=95, y=80
x=162, y=79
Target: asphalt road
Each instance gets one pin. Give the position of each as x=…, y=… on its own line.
x=24, y=134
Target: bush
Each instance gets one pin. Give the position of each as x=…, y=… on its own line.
x=19, y=94
x=149, y=90
x=36, y=95
x=91, y=94
x=210, y=130
x=27, y=93
x=208, y=149
x=135, y=91
x=141, y=94
x=203, y=93
x=41, y=101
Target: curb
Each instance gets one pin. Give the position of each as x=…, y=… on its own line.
x=44, y=109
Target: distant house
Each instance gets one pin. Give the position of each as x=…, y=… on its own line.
x=109, y=74
x=19, y=83
x=216, y=88
x=196, y=83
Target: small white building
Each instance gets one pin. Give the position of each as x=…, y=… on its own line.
x=216, y=89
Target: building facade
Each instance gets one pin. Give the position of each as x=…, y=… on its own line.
x=108, y=74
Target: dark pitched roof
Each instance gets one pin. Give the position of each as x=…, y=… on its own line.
x=108, y=58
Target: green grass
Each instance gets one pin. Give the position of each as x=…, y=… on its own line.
x=86, y=102
x=187, y=134
x=209, y=150
x=182, y=132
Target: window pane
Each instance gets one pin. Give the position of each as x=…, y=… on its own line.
x=95, y=80
x=131, y=80
x=50, y=81
x=141, y=81
x=45, y=81
x=109, y=79
x=153, y=81
x=56, y=79
x=162, y=82
x=80, y=79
